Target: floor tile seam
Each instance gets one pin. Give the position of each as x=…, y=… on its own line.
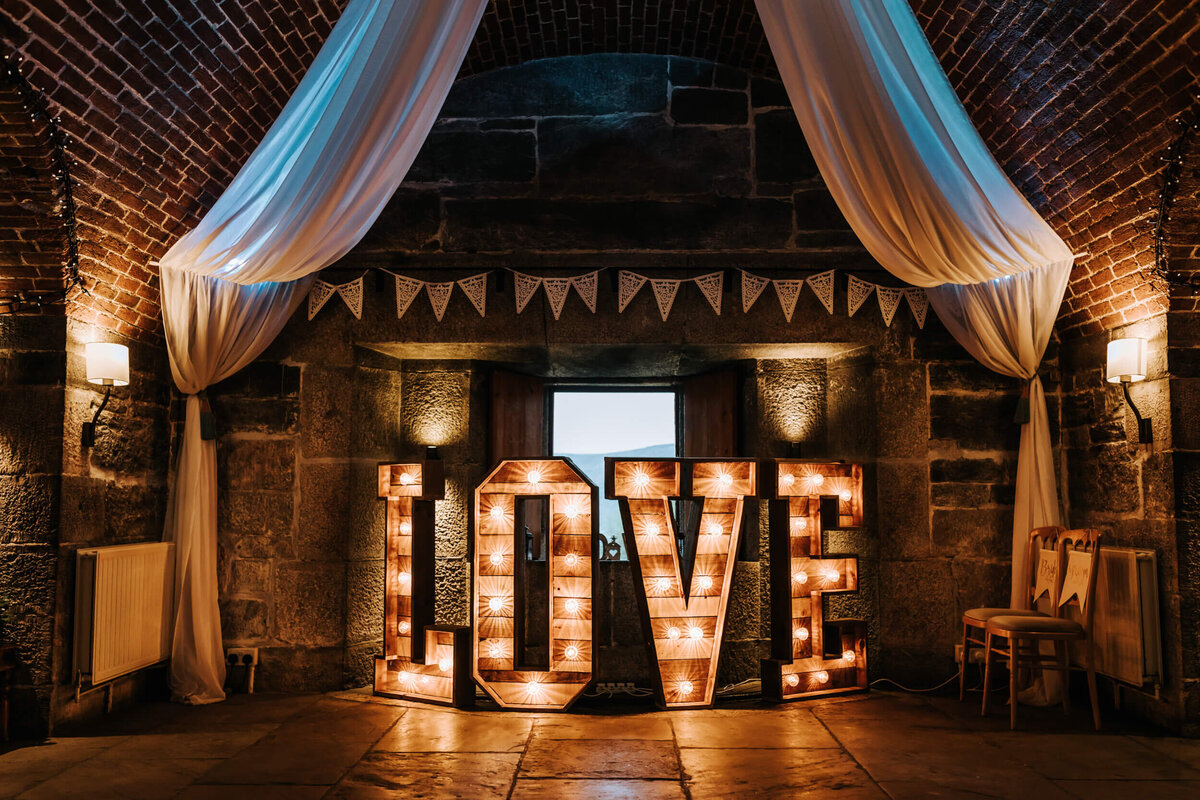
x=849, y=754
x=684, y=778
x=512, y=784
x=1160, y=753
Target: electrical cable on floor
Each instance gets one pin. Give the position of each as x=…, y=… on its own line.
x=904, y=688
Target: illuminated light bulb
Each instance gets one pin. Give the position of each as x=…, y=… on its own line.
x=715, y=529
x=832, y=575
x=662, y=584
x=533, y=687
x=572, y=652
x=845, y=495
x=725, y=479
x=496, y=558
x=571, y=606
x=571, y=559
x=685, y=687
x=496, y=603
x=793, y=679
x=406, y=528
x=786, y=480
x=496, y=650
x=822, y=676
x=497, y=512
x=653, y=529
x=405, y=676
x=534, y=476
x=800, y=633
x=672, y=633
x=405, y=577
x=817, y=479
x=848, y=655
x=800, y=523
x=641, y=479
x=571, y=512
x=695, y=632
x=445, y=664
x=800, y=577
x=406, y=479
x=405, y=627
x=705, y=583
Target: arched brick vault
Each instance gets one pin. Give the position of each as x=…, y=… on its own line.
x=167, y=98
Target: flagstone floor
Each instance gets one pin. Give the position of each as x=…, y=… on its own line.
x=350, y=745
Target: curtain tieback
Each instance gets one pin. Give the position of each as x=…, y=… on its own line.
x=208, y=421
x=1021, y=416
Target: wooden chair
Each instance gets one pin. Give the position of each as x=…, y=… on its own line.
x=1041, y=577
x=1077, y=550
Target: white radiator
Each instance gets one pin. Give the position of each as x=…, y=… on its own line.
x=1125, y=625
x=123, y=601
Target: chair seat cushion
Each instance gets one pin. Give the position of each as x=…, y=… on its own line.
x=1022, y=624
x=982, y=615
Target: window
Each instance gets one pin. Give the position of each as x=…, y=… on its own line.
x=589, y=424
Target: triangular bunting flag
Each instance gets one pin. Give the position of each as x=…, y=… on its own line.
x=822, y=286
x=665, y=290
x=752, y=287
x=352, y=294
x=407, y=290
x=788, y=291
x=526, y=286
x=556, y=293
x=475, y=288
x=628, y=285
x=889, y=301
x=712, y=285
x=317, y=297
x=857, y=293
x=586, y=285
x=918, y=303
x=439, y=297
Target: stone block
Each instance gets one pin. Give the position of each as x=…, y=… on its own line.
x=781, y=153
x=377, y=432
x=902, y=410
x=310, y=603
x=1187, y=483
x=475, y=156
x=740, y=660
x=435, y=410
x=243, y=621
x=1104, y=478
x=690, y=72
x=791, y=399
x=409, y=221
x=615, y=663
x=130, y=438
x=583, y=86
x=766, y=93
x=974, y=422
x=250, y=464
x=726, y=77
x=134, y=512
x=251, y=415
x=325, y=395
x=626, y=621
x=323, y=511
x=1185, y=410
x=29, y=509
x=980, y=532
x=257, y=524
x=359, y=666
x=250, y=576
x=1158, y=486
x=451, y=533
x=961, y=495
x=745, y=603
x=27, y=593
x=299, y=669
x=367, y=533
x=917, y=606
x=364, y=600
x=83, y=514
x=261, y=380
x=452, y=595
x=617, y=155
x=967, y=376
x=902, y=490
x=971, y=470
x=981, y=582
x=20, y=368
x=43, y=332
x=709, y=107
x=816, y=210
x=31, y=430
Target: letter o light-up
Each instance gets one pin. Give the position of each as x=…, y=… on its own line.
x=572, y=532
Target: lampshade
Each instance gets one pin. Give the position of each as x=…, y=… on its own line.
x=107, y=363
x=1126, y=360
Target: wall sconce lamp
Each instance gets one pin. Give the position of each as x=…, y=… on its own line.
x=107, y=366
x=1126, y=365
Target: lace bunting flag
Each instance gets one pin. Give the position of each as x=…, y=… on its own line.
x=918, y=303
x=475, y=288
x=628, y=285
x=713, y=286
x=822, y=286
x=556, y=293
x=526, y=287
x=439, y=297
x=665, y=290
x=352, y=295
x=318, y=295
x=752, y=288
x=585, y=286
x=407, y=290
x=857, y=293
x=788, y=292
x=889, y=301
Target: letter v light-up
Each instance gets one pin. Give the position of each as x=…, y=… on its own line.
x=683, y=625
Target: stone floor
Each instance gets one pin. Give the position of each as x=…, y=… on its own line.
x=350, y=745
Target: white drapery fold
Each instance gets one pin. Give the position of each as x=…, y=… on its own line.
x=927, y=199
x=309, y=192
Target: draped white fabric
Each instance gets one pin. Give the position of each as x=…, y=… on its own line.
x=928, y=201
x=308, y=194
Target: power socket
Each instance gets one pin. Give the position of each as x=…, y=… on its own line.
x=241, y=653
x=976, y=654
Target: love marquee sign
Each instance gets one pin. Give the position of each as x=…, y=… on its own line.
x=682, y=611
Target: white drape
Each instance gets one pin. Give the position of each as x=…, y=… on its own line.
x=309, y=192
x=928, y=201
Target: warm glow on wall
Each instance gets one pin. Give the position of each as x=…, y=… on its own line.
x=572, y=534
x=801, y=664
x=684, y=624
x=421, y=661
